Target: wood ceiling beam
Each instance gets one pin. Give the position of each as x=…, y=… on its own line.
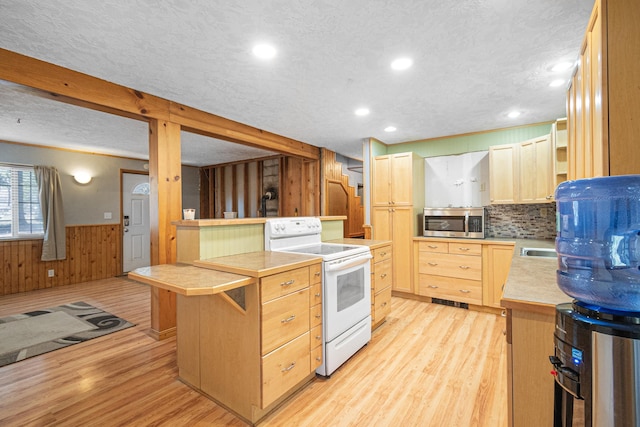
x=81, y=89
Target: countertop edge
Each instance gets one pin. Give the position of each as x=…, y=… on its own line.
x=239, y=221
x=153, y=276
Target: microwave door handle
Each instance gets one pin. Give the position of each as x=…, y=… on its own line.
x=466, y=223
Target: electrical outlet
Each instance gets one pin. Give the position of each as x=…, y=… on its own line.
x=51, y=273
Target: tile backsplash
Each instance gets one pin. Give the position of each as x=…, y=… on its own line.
x=535, y=221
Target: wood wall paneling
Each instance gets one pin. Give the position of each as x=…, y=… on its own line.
x=335, y=183
x=94, y=252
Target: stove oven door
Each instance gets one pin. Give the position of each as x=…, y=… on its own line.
x=347, y=293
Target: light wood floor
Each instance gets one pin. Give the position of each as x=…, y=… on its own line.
x=428, y=365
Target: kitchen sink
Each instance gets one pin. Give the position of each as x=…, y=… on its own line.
x=538, y=252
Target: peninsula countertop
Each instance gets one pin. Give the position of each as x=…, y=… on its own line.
x=258, y=264
x=215, y=275
x=188, y=280
x=531, y=284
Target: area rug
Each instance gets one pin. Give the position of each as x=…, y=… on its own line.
x=41, y=331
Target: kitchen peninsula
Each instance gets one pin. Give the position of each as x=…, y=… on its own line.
x=245, y=340
x=530, y=296
x=249, y=321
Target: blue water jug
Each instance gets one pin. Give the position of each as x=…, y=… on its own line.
x=598, y=224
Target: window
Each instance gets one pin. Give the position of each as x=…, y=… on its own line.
x=20, y=214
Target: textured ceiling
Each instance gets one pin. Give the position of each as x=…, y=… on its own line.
x=474, y=61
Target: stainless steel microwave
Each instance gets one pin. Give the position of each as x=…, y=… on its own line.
x=454, y=222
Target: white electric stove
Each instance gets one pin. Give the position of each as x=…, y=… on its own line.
x=346, y=285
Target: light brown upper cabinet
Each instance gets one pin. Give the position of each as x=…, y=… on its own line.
x=393, y=177
x=522, y=173
x=603, y=101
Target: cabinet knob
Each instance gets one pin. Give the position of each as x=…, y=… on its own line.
x=464, y=249
x=433, y=286
x=464, y=267
x=383, y=304
x=382, y=276
x=432, y=246
x=465, y=291
x=317, y=273
x=433, y=264
x=318, y=316
x=288, y=283
x=317, y=295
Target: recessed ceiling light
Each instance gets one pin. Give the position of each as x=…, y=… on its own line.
x=556, y=83
x=390, y=129
x=362, y=111
x=513, y=114
x=264, y=51
x=402, y=63
x=561, y=66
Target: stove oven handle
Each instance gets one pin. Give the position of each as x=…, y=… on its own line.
x=347, y=263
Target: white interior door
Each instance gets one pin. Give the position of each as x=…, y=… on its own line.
x=136, y=244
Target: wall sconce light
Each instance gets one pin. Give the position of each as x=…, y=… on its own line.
x=82, y=177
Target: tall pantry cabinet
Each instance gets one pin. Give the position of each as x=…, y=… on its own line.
x=603, y=100
x=397, y=194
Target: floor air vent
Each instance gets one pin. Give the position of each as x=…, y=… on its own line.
x=450, y=303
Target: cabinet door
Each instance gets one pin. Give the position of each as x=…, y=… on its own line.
x=536, y=171
x=497, y=262
x=381, y=219
x=401, y=179
x=402, y=232
x=381, y=191
x=600, y=142
x=503, y=170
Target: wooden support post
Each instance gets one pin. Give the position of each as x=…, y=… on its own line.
x=165, y=205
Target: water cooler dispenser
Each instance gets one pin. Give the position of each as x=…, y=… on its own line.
x=596, y=362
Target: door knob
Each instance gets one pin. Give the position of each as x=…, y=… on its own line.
x=126, y=230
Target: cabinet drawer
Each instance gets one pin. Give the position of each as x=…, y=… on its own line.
x=315, y=315
x=315, y=273
x=316, y=358
x=284, y=319
x=441, y=247
x=382, y=305
x=382, y=254
x=316, y=336
x=465, y=248
x=449, y=288
x=460, y=266
x=315, y=294
x=281, y=284
x=284, y=368
x=381, y=275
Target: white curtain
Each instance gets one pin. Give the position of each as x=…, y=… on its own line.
x=50, y=192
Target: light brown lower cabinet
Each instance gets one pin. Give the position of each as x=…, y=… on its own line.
x=450, y=270
x=529, y=382
x=251, y=348
x=496, y=262
x=381, y=280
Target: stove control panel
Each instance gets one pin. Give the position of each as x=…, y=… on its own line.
x=296, y=226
